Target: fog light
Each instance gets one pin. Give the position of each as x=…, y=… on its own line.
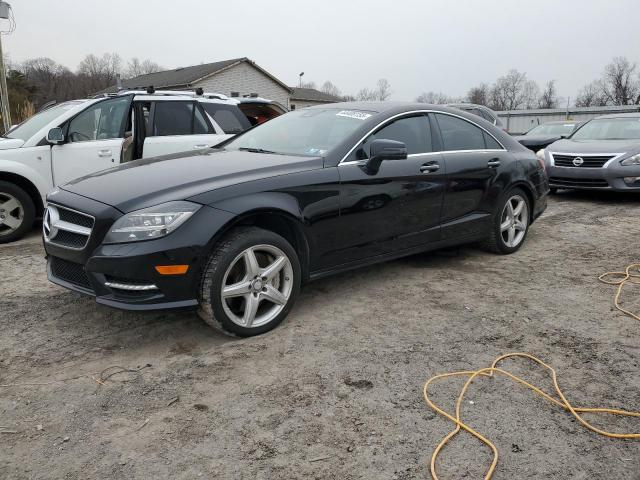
x=633, y=181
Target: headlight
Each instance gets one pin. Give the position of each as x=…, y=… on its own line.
x=540, y=154
x=150, y=223
x=634, y=160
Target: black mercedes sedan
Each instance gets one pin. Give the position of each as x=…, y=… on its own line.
x=236, y=230
x=542, y=136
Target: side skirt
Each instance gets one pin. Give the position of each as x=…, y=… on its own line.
x=394, y=255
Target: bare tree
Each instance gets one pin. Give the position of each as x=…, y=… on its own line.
x=99, y=73
x=384, y=89
x=434, y=98
x=479, y=95
x=49, y=80
x=531, y=94
x=367, y=95
x=135, y=67
x=591, y=95
x=549, y=97
x=308, y=85
x=514, y=91
x=619, y=85
x=330, y=89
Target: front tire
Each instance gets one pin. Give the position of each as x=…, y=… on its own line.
x=510, y=223
x=250, y=283
x=553, y=190
x=17, y=212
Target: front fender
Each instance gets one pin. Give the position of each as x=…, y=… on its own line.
x=43, y=184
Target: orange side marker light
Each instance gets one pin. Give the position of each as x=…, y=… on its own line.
x=172, y=269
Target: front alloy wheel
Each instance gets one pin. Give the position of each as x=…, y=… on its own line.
x=257, y=286
x=17, y=212
x=250, y=283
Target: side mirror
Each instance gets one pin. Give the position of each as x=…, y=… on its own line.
x=382, y=149
x=55, y=136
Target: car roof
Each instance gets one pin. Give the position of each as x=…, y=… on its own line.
x=620, y=115
x=559, y=122
x=467, y=105
x=385, y=107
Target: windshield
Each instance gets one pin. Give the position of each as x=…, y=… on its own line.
x=552, y=129
x=609, y=129
x=309, y=132
x=31, y=126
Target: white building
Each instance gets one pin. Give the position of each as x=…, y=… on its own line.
x=237, y=77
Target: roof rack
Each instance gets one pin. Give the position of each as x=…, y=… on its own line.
x=197, y=92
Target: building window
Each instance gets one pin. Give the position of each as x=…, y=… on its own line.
x=293, y=107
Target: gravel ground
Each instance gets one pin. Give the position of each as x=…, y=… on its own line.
x=336, y=391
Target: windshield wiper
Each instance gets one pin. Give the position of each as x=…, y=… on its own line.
x=255, y=150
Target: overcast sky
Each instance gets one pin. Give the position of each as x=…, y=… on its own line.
x=418, y=45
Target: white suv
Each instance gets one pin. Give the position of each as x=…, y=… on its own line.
x=79, y=137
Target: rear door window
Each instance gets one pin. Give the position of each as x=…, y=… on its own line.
x=459, y=134
x=229, y=117
x=177, y=118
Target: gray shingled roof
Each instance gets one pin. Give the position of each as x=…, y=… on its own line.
x=179, y=77
x=184, y=77
x=312, y=95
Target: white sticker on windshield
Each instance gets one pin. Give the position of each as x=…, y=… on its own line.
x=353, y=114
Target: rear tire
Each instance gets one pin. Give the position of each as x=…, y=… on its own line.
x=17, y=212
x=250, y=283
x=510, y=223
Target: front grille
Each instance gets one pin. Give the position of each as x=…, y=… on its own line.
x=70, y=239
x=66, y=228
x=70, y=272
x=588, y=161
x=74, y=217
x=578, y=182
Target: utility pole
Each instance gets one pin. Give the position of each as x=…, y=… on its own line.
x=300, y=82
x=4, y=93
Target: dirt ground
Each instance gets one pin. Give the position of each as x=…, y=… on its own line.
x=336, y=391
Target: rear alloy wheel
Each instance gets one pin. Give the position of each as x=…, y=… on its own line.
x=251, y=282
x=510, y=224
x=16, y=212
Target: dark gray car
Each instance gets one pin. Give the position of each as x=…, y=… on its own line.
x=603, y=154
x=481, y=111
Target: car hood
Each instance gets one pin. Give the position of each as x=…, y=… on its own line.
x=595, y=146
x=10, y=143
x=148, y=182
x=540, y=141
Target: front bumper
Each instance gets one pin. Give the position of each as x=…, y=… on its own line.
x=96, y=268
x=605, y=178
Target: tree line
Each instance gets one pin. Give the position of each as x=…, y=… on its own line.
x=619, y=84
x=381, y=92
x=37, y=81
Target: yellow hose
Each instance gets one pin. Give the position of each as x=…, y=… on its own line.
x=623, y=278
x=490, y=371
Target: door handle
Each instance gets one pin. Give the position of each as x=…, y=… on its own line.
x=104, y=153
x=198, y=147
x=493, y=163
x=429, y=167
